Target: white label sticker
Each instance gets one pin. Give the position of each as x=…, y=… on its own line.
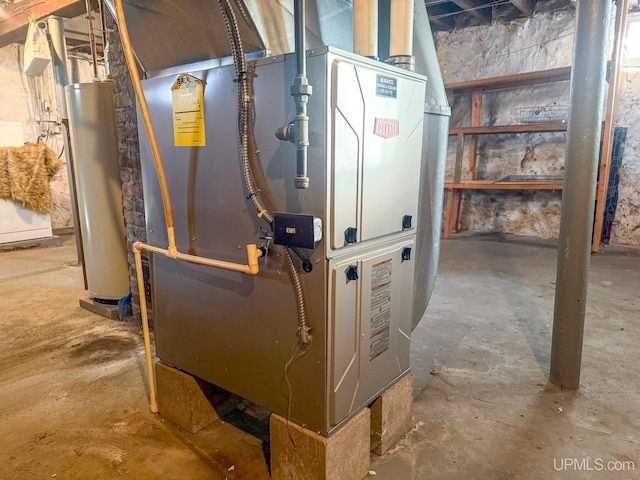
x=380, y=308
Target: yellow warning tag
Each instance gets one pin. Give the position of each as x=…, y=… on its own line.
x=188, y=111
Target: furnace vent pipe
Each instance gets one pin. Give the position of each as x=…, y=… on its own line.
x=365, y=28
x=401, y=35
x=55, y=26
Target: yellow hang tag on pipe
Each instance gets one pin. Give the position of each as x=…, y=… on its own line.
x=188, y=111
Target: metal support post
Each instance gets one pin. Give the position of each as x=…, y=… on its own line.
x=583, y=144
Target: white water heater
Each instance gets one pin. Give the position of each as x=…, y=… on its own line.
x=99, y=189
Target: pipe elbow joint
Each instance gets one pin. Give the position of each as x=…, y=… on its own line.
x=253, y=254
x=286, y=133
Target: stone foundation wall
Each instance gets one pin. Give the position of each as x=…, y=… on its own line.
x=541, y=42
x=129, y=153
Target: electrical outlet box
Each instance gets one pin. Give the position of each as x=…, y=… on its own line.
x=294, y=230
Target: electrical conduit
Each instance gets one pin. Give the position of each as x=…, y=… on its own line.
x=301, y=91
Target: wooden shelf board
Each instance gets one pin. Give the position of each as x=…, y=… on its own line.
x=490, y=185
x=511, y=81
x=525, y=128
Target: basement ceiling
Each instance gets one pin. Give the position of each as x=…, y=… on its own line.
x=14, y=16
x=452, y=14
x=443, y=14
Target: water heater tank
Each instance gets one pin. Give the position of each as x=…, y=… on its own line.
x=98, y=188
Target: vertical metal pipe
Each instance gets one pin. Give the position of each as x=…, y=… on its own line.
x=301, y=39
x=585, y=119
x=103, y=24
x=71, y=175
x=75, y=70
x=59, y=54
x=92, y=41
x=55, y=26
x=301, y=91
x=105, y=41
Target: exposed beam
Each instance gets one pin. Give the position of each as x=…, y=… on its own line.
x=472, y=8
x=446, y=23
x=440, y=16
x=14, y=18
x=525, y=6
x=509, y=81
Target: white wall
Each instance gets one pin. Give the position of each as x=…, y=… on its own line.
x=19, y=103
x=541, y=42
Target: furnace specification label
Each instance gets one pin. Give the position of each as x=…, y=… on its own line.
x=386, y=86
x=380, y=308
x=187, y=102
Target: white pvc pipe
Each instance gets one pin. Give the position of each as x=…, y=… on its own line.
x=365, y=28
x=153, y=402
x=251, y=268
x=401, y=30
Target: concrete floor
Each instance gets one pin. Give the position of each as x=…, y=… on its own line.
x=73, y=392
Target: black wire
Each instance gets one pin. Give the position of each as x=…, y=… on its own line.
x=297, y=252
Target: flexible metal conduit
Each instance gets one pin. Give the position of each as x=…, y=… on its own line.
x=244, y=101
x=253, y=253
x=243, y=107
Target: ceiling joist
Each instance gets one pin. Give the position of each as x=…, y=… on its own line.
x=439, y=15
x=525, y=6
x=483, y=12
x=445, y=23
x=476, y=9
x=14, y=18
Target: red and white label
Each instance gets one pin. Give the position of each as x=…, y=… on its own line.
x=386, y=127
